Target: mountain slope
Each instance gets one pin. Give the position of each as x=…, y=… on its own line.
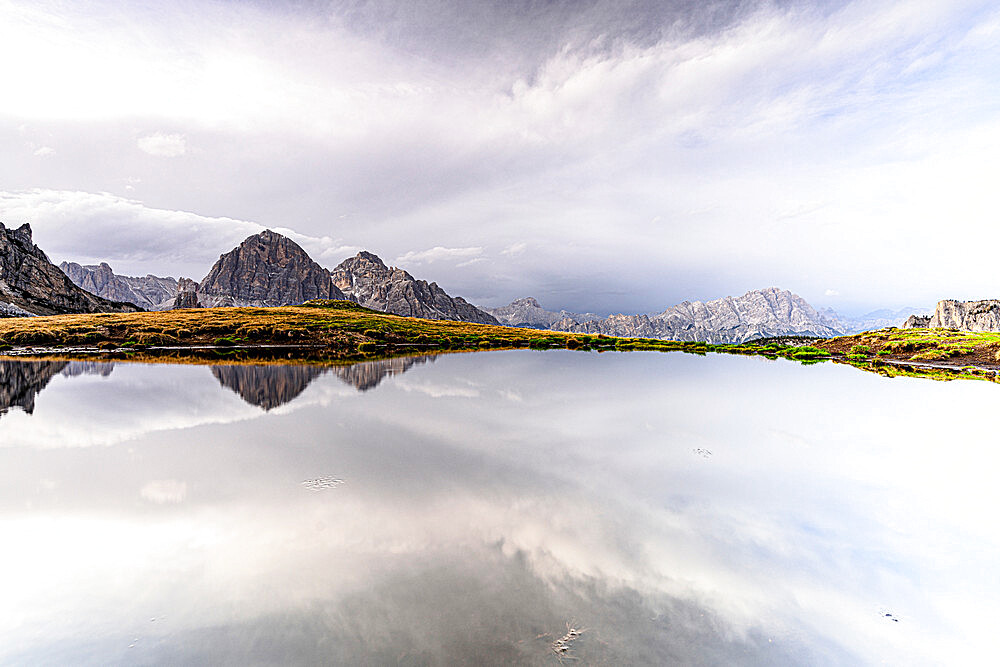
x=150, y=292
x=756, y=314
x=267, y=269
x=30, y=282
x=367, y=280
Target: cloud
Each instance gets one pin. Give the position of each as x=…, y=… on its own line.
x=831, y=292
x=439, y=253
x=670, y=152
x=164, y=491
x=44, y=151
x=163, y=145
x=515, y=249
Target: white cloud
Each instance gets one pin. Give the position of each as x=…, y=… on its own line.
x=164, y=491
x=439, y=253
x=515, y=249
x=163, y=145
x=44, y=151
x=831, y=292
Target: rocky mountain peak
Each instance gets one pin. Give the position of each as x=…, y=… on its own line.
x=267, y=269
x=366, y=279
x=30, y=283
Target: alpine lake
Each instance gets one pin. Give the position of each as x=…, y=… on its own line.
x=508, y=507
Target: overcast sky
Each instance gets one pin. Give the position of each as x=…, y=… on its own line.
x=600, y=155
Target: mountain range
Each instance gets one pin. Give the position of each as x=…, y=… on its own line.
x=756, y=314
x=269, y=269
x=32, y=285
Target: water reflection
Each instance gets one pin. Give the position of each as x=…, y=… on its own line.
x=266, y=386
x=489, y=502
x=367, y=375
x=20, y=381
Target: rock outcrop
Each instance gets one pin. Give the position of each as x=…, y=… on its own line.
x=187, y=294
x=366, y=280
x=30, y=282
x=981, y=315
x=150, y=292
x=756, y=314
x=876, y=319
x=267, y=269
x=528, y=313
x=916, y=322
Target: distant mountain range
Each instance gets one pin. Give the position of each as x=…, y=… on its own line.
x=150, y=292
x=756, y=314
x=269, y=269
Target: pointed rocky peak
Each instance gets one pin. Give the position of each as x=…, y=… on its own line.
x=366, y=279
x=23, y=234
x=369, y=257
x=266, y=269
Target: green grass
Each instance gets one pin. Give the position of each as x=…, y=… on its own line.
x=340, y=331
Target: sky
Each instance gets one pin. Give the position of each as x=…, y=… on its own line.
x=600, y=155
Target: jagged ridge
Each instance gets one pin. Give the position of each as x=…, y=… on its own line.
x=30, y=282
x=150, y=292
x=366, y=280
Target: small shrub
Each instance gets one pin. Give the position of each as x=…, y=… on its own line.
x=225, y=341
x=367, y=346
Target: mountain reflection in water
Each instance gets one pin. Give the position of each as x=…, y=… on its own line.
x=20, y=381
x=670, y=509
x=266, y=386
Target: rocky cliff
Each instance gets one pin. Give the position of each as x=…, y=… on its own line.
x=367, y=280
x=964, y=315
x=527, y=312
x=187, y=294
x=756, y=314
x=30, y=282
x=267, y=269
x=150, y=292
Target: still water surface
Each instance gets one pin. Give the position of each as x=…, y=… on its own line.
x=474, y=508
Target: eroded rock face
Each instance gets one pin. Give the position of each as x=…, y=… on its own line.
x=267, y=269
x=150, y=292
x=756, y=314
x=367, y=280
x=528, y=313
x=917, y=322
x=963, y=315
x=29, y=281
x=187, y=294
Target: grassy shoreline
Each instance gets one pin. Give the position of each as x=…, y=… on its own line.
x=333, y=332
